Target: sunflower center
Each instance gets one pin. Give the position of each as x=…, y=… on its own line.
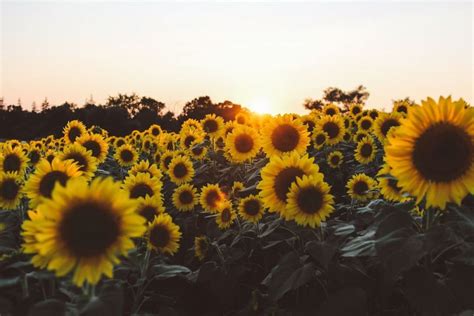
x=284, y=180
x=443, y=153
x=366, y=124
x=189, y=140
x=48, y=181
x=332, y=129
x=197, y=150
x=34, y=156
x=285, y=138
x=126, y=155
x=243, y=143
x=356, y=110
x=79, y=159
x=393, y=184
x=186, y=197
x=180, y=170
x=140, y=190
x=309, y=200
x=402, y=109
x=360, y=187
x=320, y=139
x=89, y=228
x=159, y=236
x=155, y=131
x=210, y=126
x=252, y=207
x=120, y=142
x=93, y=146
x=167, y=161
x=226, y=215
x=11, y=163
x=388, y=124
x=9, y=189
x=366, y=150
x=148, y=212
x=330, y=111
x=212, y=197
x=335, y=160
x=170, y=146
x=74, y=133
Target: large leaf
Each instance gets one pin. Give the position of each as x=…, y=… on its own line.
x=109, y=301
x=280, y=280
x=321, y=251
x=348, y=301
x=165, y=271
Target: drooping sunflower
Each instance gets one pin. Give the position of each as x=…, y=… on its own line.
x=185, y=197
x=384, y=123
x=355, y=109
x=284, y=134
x=279, y=174
x=335, y=159
x=96, y=144
x=84, y=228
x=365, y=150
x=237, y=186
x=432, y=152
x=334, y=128
x=150, y=206
x=11, y=190
x=361, y=186
x=212, y=125
x=225, y=215
x=309, y=201
x=181, y=169
x=13, y=160
x=145, y=166
x=201, y=247
x=365, y=124
x=126, y=155
x=142, y=185
x=319, y=138
x=388, y=186
x=211, y=197
x=82, y=157
x=164, y=235
x=242, y=144
x=41, y=183
x=73, y=130
x=251, y=208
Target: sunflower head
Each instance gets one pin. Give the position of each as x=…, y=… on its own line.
x=225, y=215
x=185, y=197
x=13, y=160
x=335, y=159
x=284, y=135
x=212, y=125
x=251, y=208
x=355, y=109
x=331, y=109
x=73, y=130
x=365, y=124
x=211, y=197
x=150, y=206
x=389, y=186
x=11, y=190
x=334, y=128
x=142, y=185
x=145, y=166
x=384, y=123
x=82, y=157
x=163, y=235
x=96, y=144
x=181, y=170
x=361, y=187
x=126, y=155
x=365, y=150
x=242, y=144
x=201, y=247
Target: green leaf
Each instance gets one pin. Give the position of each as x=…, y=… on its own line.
x=321, y=251
x=165, y=271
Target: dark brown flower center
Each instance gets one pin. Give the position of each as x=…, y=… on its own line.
x=93, y=146
x=197, y=150
x=210, y=126
x=48, y=181
x=366, y=150
x=284, y=180
x=34, y=156
x=141, y=190
x=126, y=155
x=252, y=207
x=79, y=159
x=388, y=124
x=148, y=212
x=332, y=129
x=243, y=143
x=393, y=184
x=155, y=131
x=12, y=163
x=402, y=109
x=330, y=111
x=74, y=132
x=285, y=137
x=180, y=170
x=366, y=124
x=159, y=236
x=189, y=140
x=320, y=139
x=120, y=142
x=212, y=198
x=186, y=197
x=226, y=215
x=9, y=189
x=310, y=200
x=167, y=161
x=335, y=160
x=356, y=110
x=360, y=187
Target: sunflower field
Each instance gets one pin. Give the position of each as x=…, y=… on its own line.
x=343, y=211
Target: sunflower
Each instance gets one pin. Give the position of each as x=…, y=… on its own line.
x=384, y=123
x=150, y=206
x=84, y=228
x=365, y=124
x=212, y=125
x=211, y=197
x=310, y=122
x=142, y=185
x=309, y=201
x=389, y=186
x=432, y=152
x=185, y=197
x=201, y=247
x=34, y=155
x=119, y=141
x=355, y=109
x=401, y=107
x=237, y=186
x=225, y=215
x=251, y=208
x=335, y=159
x=126, y=155
x=319, y=138
x=374, y=114
x=284, y=134
x=242, y=118
x=166, y=158
x=189, y=137
x=50, y=155
x=361, y=186
x=198, y=152
x=145, y=166
x=242, y=144
x=11, y=190
x=41, y=183
x=180, y=169
x=163, y=235
x=331, y=109
x=365, y=150
x=73, y=130
x=155, y=130
x=334, y=128
x=13, y=160
x=360, y=135
x=82, y=157
x=279, y=174
x=96, y=144
x=229, y=127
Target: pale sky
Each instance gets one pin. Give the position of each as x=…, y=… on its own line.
x=272, y=55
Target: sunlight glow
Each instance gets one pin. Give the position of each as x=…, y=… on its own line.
x=260, y=106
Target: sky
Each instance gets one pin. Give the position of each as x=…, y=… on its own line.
x=267, y=56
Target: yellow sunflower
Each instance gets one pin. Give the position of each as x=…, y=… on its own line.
x=242, y=144
x=211, y=197
x=389, y=186
x=34, y=155
x=360, y=135
x=84, y=228
x=309, y=201
x=334, y=128
x=251, y=208
x=185, y=197
x=198, y=152
x=365, y=150
x=192, y=124
x=335, y=159
x=155, y=130
x=11, y=190
x=242, y=118
x=119, y=141
x=145, y=166
x=355, y=109
x=384, y=123
x=150, y=206
x=319, y=138
x=225, y=215
x=13, y=160
x=142, y=185
x=166, y=158
x=212, y=125
x=82, y=157
x=201, y=247
x=279, y=174
x=361, y=186
x=432, y=152
x=190, y=137
x=181, y=170
x=365, y=124
x=401, y=107
x=126, y=155
x=283, y=135
x=237, y=186
x=41, y=183
x=331, y=109
x=73, y=130
x=164, y=235
x=96, y=144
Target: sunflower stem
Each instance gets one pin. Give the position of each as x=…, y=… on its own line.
x=146, y=261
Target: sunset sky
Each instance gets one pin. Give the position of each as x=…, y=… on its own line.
x=268, y=56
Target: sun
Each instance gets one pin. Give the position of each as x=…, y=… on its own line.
x=260, y=105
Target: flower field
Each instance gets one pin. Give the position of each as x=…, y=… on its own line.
x=342, y=211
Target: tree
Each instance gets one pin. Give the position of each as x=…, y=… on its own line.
x=336, y=95
x=34, y=108
x=311, y=104
x=152, y=105
x=198, y=108
x=129, y=102
x=45, y=105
